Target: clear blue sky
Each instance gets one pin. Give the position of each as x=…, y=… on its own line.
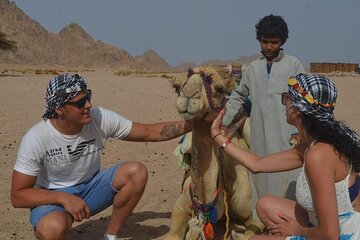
x=200, y=30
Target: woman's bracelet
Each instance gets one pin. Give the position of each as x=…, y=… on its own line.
x=225, y=144
x=216, y=136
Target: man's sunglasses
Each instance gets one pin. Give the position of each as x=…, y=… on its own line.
x=82, y=101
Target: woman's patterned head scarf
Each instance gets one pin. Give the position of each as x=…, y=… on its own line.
x=60, y=90
x=315, y=96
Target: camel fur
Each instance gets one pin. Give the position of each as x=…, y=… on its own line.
x=199, y=104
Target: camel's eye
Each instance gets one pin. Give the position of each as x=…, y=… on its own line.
x=219, y=89
x=177, y=87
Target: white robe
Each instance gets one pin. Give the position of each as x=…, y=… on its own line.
x=269, y=130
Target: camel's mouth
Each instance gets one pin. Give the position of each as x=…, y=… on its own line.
x=187, y=116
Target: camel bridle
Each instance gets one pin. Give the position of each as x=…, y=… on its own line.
x=207, y=80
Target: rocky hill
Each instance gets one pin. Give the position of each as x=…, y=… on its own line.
x=242, y=60
x=72, y=46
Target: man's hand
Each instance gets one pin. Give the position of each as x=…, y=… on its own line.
x=76, y=206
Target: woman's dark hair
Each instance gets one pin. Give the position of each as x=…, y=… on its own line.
x=272, y=26
x=334, y=135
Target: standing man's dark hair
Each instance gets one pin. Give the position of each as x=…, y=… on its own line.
x=272, y=26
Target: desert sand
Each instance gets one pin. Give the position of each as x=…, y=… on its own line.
x=142, y=99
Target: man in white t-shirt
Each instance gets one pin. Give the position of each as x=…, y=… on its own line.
x=57, y=171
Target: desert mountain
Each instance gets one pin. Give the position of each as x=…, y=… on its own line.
x=242, y=60
x=151, y=58
x=185, y=66
x=246, y=60
x=72, y=46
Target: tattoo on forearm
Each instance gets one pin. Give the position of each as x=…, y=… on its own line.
x=171, y=131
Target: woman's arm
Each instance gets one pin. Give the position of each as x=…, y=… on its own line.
x=277, y=162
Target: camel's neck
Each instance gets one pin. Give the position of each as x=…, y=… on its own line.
x=204, y=165
x=202, y=128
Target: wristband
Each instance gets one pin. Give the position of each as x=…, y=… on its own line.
x=225, y=144
x=216, y=136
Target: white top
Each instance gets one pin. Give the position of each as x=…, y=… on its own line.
x=60, y=160
x=304, y=198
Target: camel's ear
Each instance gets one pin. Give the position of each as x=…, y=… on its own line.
x=208, y=78
x=230, y=84
x=190, y=72
x=178, y=82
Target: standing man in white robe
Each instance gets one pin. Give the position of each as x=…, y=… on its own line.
x=263, y=82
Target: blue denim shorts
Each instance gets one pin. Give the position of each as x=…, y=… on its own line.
x=98, y=193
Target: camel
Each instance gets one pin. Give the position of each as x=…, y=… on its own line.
x=217, y=187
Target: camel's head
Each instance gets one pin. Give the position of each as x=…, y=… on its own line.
x=202, y=93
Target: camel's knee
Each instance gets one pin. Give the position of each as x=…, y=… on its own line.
x=55, y=226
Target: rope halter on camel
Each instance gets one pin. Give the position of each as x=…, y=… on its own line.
x=206, y=213
x=207, y=80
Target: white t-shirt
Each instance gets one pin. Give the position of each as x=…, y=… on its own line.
x=60, y=160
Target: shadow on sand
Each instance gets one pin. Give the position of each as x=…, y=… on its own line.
x=133, y=228
x=10, y=75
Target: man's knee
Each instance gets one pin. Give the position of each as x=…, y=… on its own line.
x=54, y=226
x=137, y=169
x=134, y=173
x=139, y=175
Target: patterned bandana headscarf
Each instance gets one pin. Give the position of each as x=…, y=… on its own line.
x=315, y=96
x=60, y=89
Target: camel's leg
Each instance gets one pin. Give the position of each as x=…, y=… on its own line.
x=241, y=207
x=180, y=215
x=243, y=225
x=239, y=230
x=254, y=226
x=179, y=225
x=241, y=204
x=247, y=230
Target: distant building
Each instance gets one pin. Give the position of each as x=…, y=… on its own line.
x=334, y=67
